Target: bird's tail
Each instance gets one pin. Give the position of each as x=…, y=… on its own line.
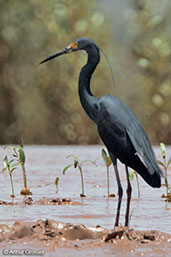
x=153, y=180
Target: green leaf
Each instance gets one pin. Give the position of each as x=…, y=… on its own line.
x=56, y=181
x=12, y=147
x=73, y=156
x=104, y=156
x=10, y=161
x=75, y=159
x=22, y=143
x=7, y=164
x=15, y=165
x=161, y=163
x=15, y=149
x=169, y=162
x=93, y=162
x=131, y=175
x=163, y=149
x=13, y=169
x=67, y=167
x=22, y=155
x=75, y=163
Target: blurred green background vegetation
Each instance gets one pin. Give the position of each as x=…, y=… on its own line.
x=40, y=102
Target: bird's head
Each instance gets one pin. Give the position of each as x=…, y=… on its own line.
x=82, y=43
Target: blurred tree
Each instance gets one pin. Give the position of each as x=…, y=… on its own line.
x=40, y=103
x=7, y=95
x=152, y=48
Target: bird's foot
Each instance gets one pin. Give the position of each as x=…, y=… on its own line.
x=126, y=233
x=118, y=232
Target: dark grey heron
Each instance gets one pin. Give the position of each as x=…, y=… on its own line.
x=118, y=127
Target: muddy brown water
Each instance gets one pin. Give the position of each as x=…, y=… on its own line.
x=45, y=163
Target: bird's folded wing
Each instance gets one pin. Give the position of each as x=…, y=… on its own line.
x=142, y=146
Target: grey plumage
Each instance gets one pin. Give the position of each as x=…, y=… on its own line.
x=124, y=136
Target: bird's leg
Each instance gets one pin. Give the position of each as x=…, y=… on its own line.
x=120, y=190
x=129, y=191
x=120, y=193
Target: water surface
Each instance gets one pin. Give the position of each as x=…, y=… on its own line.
x=45, y=163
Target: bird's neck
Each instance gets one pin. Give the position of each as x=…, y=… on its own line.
x=88, y=100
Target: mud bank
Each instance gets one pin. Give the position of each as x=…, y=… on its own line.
x=42, y=201
x=49, y=237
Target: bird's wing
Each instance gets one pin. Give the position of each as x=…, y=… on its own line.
x=118, y=123
x=141, y=144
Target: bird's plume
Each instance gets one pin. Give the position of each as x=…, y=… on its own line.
x=109, y=60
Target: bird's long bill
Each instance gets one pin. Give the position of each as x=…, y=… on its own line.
x=66, y=50
x=61, y=52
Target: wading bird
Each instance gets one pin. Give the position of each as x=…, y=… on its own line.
x=118, y=127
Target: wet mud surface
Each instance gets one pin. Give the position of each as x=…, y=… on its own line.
x=49, y=221
x=43, y=201
x=49, y=236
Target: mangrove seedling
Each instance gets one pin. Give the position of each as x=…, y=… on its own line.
x=165, y=165
x=56, y=183
x=107, y=162
x=131, y=177
x=9, y=168
x=19, y=154
x=77, y=164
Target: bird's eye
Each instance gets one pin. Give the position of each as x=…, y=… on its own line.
x=77, y=43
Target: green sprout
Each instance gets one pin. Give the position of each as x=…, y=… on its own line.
x=107, y=162
x=20, y=158
x=56, y=183
x=78, y=165
x=9, y=168
x=131, y=177
x=165, y=165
